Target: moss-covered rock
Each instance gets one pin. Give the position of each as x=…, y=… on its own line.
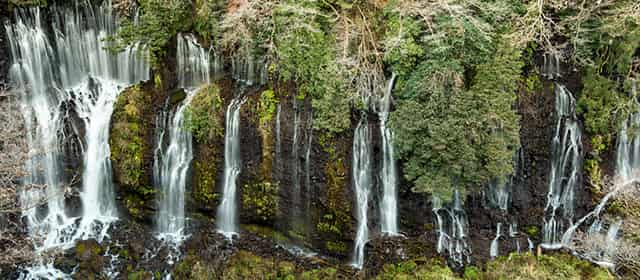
x=266, y=109
x=131, y=133
x=89, y=258
x=245, y=265
x=260, y=202
x=335, y=224
x=205, y=119
x=417, y=269
x=193, y=268
x=527, y=266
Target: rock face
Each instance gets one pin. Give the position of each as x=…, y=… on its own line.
x=132, y=143
x=296, y=181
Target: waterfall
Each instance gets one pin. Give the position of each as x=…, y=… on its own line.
x=361, y=170
x=193, y=62
x=628, y=150
x=72, y=67
x=227, y=216
x=566, y=162
x=494, y=251
x=388, y=174
x=249, y=70
x=172, y=166
x=32, y=75
x=453, y=231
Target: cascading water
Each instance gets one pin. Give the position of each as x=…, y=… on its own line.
x=32, y=74
x=193, y=62
x=452, y=231
x=494, y=251
x=628, y=150
x=566, y=162
x=388, y=174
x=226, y=216
x=175, y=159
x=249, y=70
x=361, y=169
x=70, y=66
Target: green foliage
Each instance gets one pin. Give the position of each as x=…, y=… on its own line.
x=207, y=17
x=159, y=21
x=451, y=138
x=403, y=48
x=260, y=201
x=598, y=103
x=306, y=56
x=203, y=115
x=267, y=107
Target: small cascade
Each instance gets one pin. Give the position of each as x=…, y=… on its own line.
x=566, y=162
x=513, y=234
x=494, y=251
x=595, y=215
x=388, y=173
x=307, y=169
x=361, y=170
x=171, y=172
x=193, y=62
x=69, y=67
x=452, y=229
x=172, y=165
x=249, y=70
x=226, y=216
x=551, y=66
x=628, y=150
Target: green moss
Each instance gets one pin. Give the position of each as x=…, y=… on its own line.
x=260, y=202
x=471, y=273
x=191, y=267
x=204, y=192
x=543, y=267
x=267, y=106
x=320, y=274
x=204, y=116
x=337, y=247
x=128, y=145
x=417, y=269
x=336, y=220
x=245, y=265
x=532, y=230
x=266, y=232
